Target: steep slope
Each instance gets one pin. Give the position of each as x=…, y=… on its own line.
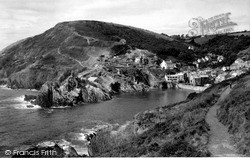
x=74, y=47
x=244, y=54
x=234, y=113
x=228, y=46
x=220, y=142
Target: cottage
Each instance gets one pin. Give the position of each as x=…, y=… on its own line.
x=163, y=65
x=191, y=47
x=197, y=80
x=167, y=64
x=220, y=58
x=137, y=60
x=207, y=58
x=220, y=77
x=92, y=79
x=238, y=64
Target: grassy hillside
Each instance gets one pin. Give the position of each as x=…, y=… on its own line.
x=135, y=37
x=75, y=46
x=235, y=114
x=228, y=46
x=179, y=129
x=244, y=54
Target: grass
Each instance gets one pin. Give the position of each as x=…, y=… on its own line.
x=234, y=112
x=174, y=130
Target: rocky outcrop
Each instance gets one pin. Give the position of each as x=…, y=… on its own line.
x=192, y=95
x=73, y=91
x=29, y=97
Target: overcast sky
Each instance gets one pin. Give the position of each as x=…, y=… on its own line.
x=24, y=18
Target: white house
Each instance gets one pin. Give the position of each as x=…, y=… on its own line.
x=137, y=60
x=167, y=64
x=191, y=47
x=163, y=64
x=175, y=78
x=220, y=58
x=92, y=79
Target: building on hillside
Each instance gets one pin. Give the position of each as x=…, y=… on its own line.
x=175, y=78
x=123, y=41
x=163, y=65
x=238, y=64
x=167, y=64
x=92, y=79
x=191, y=47
x=199, y=80
x=238, y=61
x=236, y=73
x=220, y=58
x=137, y=60
x=225, y=68
x=207, y=58
x=221, y=77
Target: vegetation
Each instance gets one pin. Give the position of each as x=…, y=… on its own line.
x=234, y=112
x=161, y=45
x=225, y=45
x=174, y=130
x=180, y=129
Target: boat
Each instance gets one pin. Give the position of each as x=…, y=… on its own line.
x=191, y=87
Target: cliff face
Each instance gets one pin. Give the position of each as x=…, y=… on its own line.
x=73, y=91
x=72, y=47
x=80, y=89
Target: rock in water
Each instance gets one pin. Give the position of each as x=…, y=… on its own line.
x=73, y=91
x=72, y=152
x=29, y=97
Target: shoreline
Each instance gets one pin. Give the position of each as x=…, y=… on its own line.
x=193, y=88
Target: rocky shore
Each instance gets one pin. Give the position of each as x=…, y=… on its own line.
x=81, y=88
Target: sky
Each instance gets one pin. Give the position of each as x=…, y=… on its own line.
x=20, y=19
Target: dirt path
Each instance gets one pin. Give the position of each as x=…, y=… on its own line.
x=59, y=52
x=219, y=144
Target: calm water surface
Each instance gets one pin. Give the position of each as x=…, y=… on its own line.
x=20, y=126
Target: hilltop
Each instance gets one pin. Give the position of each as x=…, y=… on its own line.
x=75, y=46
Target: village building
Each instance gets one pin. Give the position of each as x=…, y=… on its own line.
x=191, y=47
x=238, y=64
x=123, y=41
x=137, y=60
x=167, y=64
x=207, y=58
x=175, y=78
x=224, y=68
x=220, y=58
x=220, y=77
x=200, y=80
x=236, y=73
x=92, y=79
